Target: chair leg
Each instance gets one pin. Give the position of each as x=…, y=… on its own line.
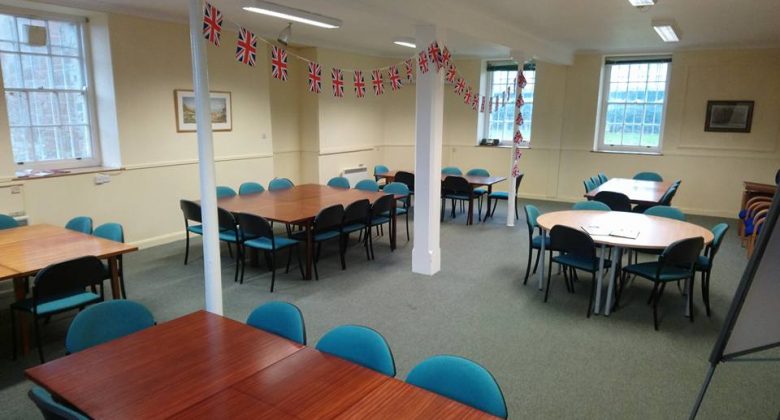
x=407, y=226
x=343, y=251
x=528, y=266
x=238, y=262
x=273, y=270
x=371, y=245
x=13, y=334
x=652, y=293
x=187, y=248
x=495, y=203
x=300, y=264
x=566, y=279
x=121, y=272
x=517, y=215
x=592, y=292
x=443, y=204
x=243, y=267
x=453, y=208
x=536, y=264
x=289, y=258
x=549, y=280
x=230, y=250
x=38, y=340
x=655, y=304
x=705, y=290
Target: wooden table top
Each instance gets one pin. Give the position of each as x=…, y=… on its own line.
x=164, y=369
x=26, y=250
x=473, y=180
x=297, y=204
x=639, y=192
x=654, y=232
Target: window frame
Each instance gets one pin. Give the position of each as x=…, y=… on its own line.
x=489, y=88
x=601, y=126
x=89, y=92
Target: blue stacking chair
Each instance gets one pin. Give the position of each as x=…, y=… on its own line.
x=191, y=212
x=106, y=321
x=666, y=211
x=326, y=226
x=281, y=318
x=81, y=224
x=704, y=262
x=114, y=232
x=602, y=177
x=250, y=188
x=462, y=380
x=504, y=195
x=479, y=192
x=380, y=169
x=339, y=182
x=225, y=192
x=589, y=185
x=367, y=185
x=356, y=219
x=451, y=170
x=590, y=205
x=51, y=409
x=360, y=345
x=256, y=232
x=648, y=176
x=278, y=184
x=534, y=241
x=397, y=188
x=7, y=222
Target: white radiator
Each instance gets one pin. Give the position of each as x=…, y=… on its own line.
x=355, y=175
x=12, y=202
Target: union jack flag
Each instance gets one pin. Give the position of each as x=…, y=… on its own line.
x=452, y=73
x=467, y=96
x=521, y=81
x=460, y=86
x=482, y=106
x=490, y=105
x=409, y=63
x=519, y=119
x=315, y=77
x=395, y=78
x=520, y=101
x=360, y=84
x=246, y=47
x=338, y=82
x=376, y=81
x=474, y=101
x=496, y=103
x=434, y=53
x=423, y=62
x=446, y=57
x=212, y=24
x=518, y=137
x=279, y=63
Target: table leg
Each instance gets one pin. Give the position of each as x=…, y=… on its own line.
x=597, y=305
x=309, y=250
x=541, y=262
x=22, y=322
x=487, y=209
x=394, y=222
x=470, y=218
x=611, y=289
x=116, y=292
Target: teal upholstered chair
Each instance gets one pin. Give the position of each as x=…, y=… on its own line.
x=648, y=176
x=256, y=232
x=327, y=226
x=361, y=345
x=356, y=219
x=380, y=169
x=106, y=321
x=81, y=224
x=281, y=318
x=602, y=177
x=250, y=188
x=7, y=222
x=367, y=185
x=191, y=212
x=534, y=241
x=400, y=189
x=278, y=184
x=666, y=211
x=589, y=185
x=114, y=232
x=497, y=196
x=225, y=192
x=380, y=215
x=479, y=192
x=462, y=380
x=339, y=182
x=590, y=205
x=704, y=262
x=51, y=409
x=451, y=170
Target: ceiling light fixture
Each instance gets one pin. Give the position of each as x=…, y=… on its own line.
x=666, y=30
x=284, y=36
x=405, y=42
x=291, y=13
x=642, y=4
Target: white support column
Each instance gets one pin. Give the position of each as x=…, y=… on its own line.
x=426, y=254
x=212, y=269
x=519, y=58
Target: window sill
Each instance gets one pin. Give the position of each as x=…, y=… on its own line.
x=65, y=172
x=502, y=146
x=626, y=152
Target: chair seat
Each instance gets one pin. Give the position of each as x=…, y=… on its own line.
x=64, y=303
x=353, y=227
x=380, y=220
x=536, y=242
x=266, y=244
x=398, y=211
x=228, y=236
x=196, y=229
x=499, y=195
x=703, y=263
x=480, y=191
x=648, y=270
x=581, y=263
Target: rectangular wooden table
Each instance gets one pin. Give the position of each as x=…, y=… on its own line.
x=646, y=193
x=299, y=205
x=204, y=366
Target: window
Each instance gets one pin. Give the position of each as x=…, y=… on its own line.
x=47, y=94
x=500, y=78
x=633, y=101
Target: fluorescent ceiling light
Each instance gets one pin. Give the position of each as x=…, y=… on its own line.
x=666, y=31
x=405, y=42
x=642, y=3
x=293, y=14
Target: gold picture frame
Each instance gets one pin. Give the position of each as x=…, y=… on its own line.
x=221, y=110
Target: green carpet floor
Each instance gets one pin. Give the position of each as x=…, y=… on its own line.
x=550, y=361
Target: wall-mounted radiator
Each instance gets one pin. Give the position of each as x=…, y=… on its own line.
x=355, y=175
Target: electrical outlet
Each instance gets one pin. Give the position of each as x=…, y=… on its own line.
x=102, y=179
x=16, y=189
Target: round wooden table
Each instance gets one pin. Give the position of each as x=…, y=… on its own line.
x=654, y=233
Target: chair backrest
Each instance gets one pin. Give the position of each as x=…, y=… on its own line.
x=50, y=409
x=357, y=212
x=367, y=185
x=250, y=188
x=590, y=205
x=405, y=178
x=518, y=180
x=682, y=253
x=666, y=199
x=227, y=221
x=451, y=170
x=397, y=188
x=360, y=345
x=225, y=192
x=380, y=169
x=595, y=180
x=572, y=241
x=718, y=233
x=7, y=222
x=329, y=218
x=338, y=182
x=277, y=184
x=110, y=231
x=462, y=380
x=589, y=185
x=455, y=185
x=280, y=318
x=478, y=172
x=252, y=226
x=648, y=176
x=603, y=177
x=666, y=211
x=106, y=321
x=615, y=200
x=531, y=214
x=382, y=205
x=191, y=211
x=67, y=277
x=81, y=224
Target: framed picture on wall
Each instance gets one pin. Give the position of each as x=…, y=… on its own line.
x=729, y=116
x=221, y=111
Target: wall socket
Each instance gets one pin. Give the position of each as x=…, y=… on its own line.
x=101, y=179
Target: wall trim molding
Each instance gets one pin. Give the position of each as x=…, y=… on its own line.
x=159, y=240
x=185, y=162
x=344, y=150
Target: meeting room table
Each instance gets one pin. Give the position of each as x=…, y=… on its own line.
x=206, y=366
x=654, y=233
x=639, y=192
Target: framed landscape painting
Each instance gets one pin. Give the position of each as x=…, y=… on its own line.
x=729, y=116
x=221, y=112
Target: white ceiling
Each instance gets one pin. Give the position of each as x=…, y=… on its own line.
x=550, y=30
